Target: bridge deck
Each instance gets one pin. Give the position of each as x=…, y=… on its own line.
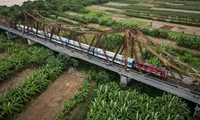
x=173, y=89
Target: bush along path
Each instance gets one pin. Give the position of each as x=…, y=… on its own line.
x=17, y=99
x=80, y=103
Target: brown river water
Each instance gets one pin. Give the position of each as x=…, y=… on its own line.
x=11, y=2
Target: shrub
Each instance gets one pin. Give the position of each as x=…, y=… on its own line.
x=16, y=100
x=189, y=41
x=159, y=33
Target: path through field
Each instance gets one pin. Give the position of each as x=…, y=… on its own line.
x=48, y=105
x=176, y=10
x=16, y=79
x=3, y=55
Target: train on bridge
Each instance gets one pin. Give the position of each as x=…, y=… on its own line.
x=131, y=63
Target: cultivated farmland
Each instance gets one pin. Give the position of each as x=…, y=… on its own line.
x=155, y=39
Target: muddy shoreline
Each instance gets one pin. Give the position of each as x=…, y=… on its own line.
x=11, y=2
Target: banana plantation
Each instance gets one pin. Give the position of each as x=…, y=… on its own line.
x=123, y=38
x=100, y=97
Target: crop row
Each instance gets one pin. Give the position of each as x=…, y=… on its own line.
x=166, y=16
x=20, y=57
x=185, y=55
x=111, y=103
x=160, y=15
x=189, y=41
x=82, y=95
x=16, y=100
x=48, y=6
x=187, y=2
x=128, y=1
x=117, y=25
x=184, y=7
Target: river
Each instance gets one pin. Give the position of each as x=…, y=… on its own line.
x=11, y=2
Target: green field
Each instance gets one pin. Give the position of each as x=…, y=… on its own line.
x=97, y=95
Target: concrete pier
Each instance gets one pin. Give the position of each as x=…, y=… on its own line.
x=124, y=80
x=30, y=42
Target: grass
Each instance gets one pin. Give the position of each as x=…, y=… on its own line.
x=173, y=33
x=181, y=7
x=103, y=27
x=135, y=22
x=96, y=12
x=89, y=38
x=191, y=19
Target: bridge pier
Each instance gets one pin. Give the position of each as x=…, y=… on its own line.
x=30, y=42
x=10, y=35
x=124, y=80
x=197, y=111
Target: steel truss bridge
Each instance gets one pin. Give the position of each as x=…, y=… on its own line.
x=132, y=45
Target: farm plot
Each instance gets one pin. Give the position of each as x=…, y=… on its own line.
x=19, y=60
x=160, y=15
x=165, y=34
x=109, y=101
x=47, y=105
x=183, y=5
x=141, y=22
x=20, y=91
x=16, y=79
x=3, y=55
x=112, y=103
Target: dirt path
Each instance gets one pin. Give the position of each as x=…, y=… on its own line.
x=48, y=105
x=75, y=22
x=71, y=13
x=105, y=8
x=3, y=55
x=117, y=4
x=16, y=79
x=93, y=25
